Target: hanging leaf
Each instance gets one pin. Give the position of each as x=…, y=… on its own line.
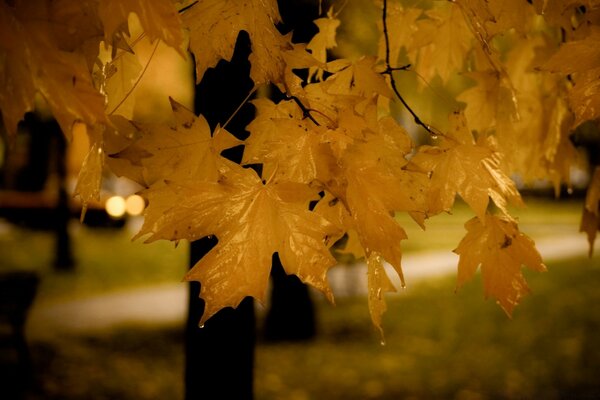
x=497, y=245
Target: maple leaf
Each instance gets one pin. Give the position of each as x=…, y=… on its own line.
x=73, y=25
x=214, y=26
x=500, y=248
x=472, y=170
x=288, y=146
x=509, y=14
x=581, y=58
x=159, y=20
x=252, y=221
x=358, y=78
x=322, y=41
x=488, y=101
x=116, y=78
x=590, y=218
x=441, y=43
x=401, y=26
x=89, y=180
x=379, y=283
x=179, y=151
x=32, y=63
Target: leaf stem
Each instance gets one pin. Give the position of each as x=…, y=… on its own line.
x=239, y=107
x=389, y=70
x=139, y=78
x=305, y=111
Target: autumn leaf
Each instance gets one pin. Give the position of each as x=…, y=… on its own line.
x=252, y=221
x=159, y=20
x=33, y=63
x=214, y=26
x=379, y=284
x=358, y=78
x=117, y=77
x=488, y=101
x=497, y=245
x=181, y=151
x=441, y=43
x=289, y=146
x=582, y=59
x=472, y=170
x=89, y=181
x=401, y=26
x=322, y=41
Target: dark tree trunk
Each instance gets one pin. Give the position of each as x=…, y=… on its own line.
x=222, y=350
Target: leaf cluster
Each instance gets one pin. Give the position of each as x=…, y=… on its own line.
x=336, y=162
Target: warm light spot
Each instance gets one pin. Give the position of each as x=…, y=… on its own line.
x=115, y=206
x=135, y=204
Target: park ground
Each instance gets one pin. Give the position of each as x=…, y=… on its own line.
x=113, y=329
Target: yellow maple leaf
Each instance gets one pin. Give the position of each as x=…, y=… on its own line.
x=252, y=221
x=379, y=284
x=159, y=20
x=358, y=78
x=214, y=26
x=183, y=150
x=401, y=26
x=323, y=40
x=33, y=63
x=581, y=60
x=289, y=147
x=488, y=101
x=590, y=218
x=441, y=43
x=507, y=15
x=500, y=248
x=472, y=170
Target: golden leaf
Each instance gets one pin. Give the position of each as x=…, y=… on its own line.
x=159, y=20
x=180, y=151
x=252, y=221
x=33, y=63
x=500, y=248
x=379, y=284
x=214, y=26
x=472, y=170
x=441, y=43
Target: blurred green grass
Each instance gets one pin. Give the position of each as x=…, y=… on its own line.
x=445, y=345
x=107, y=259
x=440, y=345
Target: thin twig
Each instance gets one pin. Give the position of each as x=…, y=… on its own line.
x=137, y=81
x=305, y=111
x=389, y=70
x=239, y=107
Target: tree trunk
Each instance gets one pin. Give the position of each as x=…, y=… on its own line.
x=223, y=350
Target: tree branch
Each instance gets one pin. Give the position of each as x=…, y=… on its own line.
x=389, y=70
x=305, y=111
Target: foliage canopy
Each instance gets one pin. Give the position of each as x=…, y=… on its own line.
x=336, y=163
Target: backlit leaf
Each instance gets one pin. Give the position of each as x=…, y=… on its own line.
x=497, y=245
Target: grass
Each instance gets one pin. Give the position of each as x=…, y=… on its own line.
x=106, y=259
x=440, y=345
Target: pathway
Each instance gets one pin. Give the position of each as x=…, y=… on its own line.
x=168, y=303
